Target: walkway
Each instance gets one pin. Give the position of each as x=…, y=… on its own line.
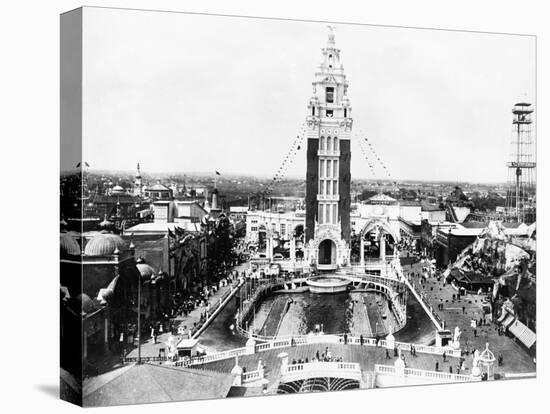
x=516, y=359
x=149, y=348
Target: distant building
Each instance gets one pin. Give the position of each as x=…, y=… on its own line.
x=174, y=242
x=158, y=192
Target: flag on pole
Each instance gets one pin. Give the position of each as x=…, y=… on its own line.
x=217, y=172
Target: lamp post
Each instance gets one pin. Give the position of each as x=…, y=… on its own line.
x=139, y=319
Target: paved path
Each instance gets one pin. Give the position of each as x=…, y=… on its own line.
x=150, y=348
x=516, y=359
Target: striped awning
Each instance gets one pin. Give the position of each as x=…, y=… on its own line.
x=523, y=333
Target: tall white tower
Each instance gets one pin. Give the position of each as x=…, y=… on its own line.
x=328, y=177
x=138, y=184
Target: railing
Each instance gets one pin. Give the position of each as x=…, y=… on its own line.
x=328, y=152
x=129, y=360
x=330, y=266
x=214, y=310
x=318, y=339
x=388, y=259
x=350, y=370
x=204, y=359
x=420, y=373
x=438, y=322
x=328, y=197
x=251, y=376
x=399, y=309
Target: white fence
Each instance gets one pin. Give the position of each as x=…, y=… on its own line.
x=351, y=370
x=322, y=339
x=421, y=373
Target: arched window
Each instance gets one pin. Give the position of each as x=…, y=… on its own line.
x=329, y=144
x=335, y=144
x=322, y=143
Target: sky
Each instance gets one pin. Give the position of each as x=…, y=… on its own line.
x=195, y=93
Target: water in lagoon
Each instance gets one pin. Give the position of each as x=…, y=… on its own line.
x=307, y=310
x=419, y=328
x=219, y=336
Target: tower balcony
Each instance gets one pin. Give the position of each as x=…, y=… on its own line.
x=326, y=197
x=325, y=152
x=522, y=108
x=521, y=164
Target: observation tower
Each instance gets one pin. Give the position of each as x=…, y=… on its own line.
x=521, y=192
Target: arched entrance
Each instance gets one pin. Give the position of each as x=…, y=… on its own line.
x=377, y=239
x=327, y=252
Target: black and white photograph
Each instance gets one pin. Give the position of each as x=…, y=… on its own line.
x=255, y=206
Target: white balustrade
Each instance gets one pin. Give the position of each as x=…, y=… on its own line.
x=420, y=373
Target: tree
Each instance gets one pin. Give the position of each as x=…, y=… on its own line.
x=220, y=244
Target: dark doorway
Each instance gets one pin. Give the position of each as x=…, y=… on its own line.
x=327, y=252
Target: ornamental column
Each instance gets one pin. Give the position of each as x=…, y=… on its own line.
x=383, y=246
x=270, y=246
x=362, y=251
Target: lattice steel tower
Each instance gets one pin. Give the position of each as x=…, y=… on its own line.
x=521, y=194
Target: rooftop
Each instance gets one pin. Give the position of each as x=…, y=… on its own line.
x=162, y=227
x=148, y=383
x=381, y=198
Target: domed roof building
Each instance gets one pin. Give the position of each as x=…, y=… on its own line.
x=68, y=245
x=105, y=245
x=158, y=191
x=117, y=189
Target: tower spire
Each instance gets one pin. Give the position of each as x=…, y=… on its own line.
x=331, y=41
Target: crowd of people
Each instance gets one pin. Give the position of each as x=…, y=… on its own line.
x=319, y=356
